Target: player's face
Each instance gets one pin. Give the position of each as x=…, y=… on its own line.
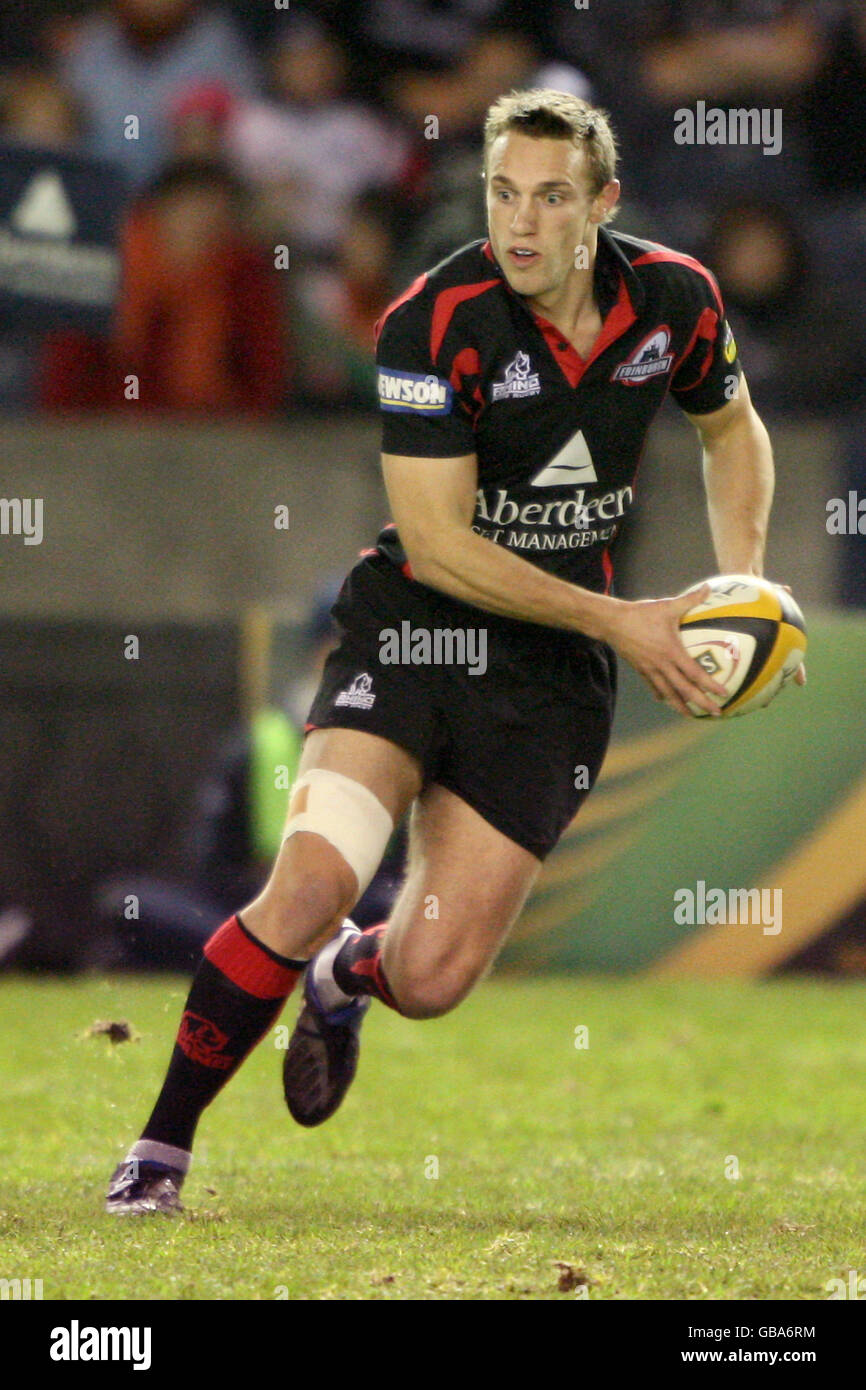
x=540, y=209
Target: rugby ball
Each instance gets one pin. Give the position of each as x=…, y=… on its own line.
x=749, y=635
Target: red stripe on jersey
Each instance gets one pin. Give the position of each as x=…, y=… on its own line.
x=407, y=570
x=467, y=363
x=607, y=566
x=707, y=327
x=446, y=303
x=415, y=288
x=677, y=257
x=573, y=366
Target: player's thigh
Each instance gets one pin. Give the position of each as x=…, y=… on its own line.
x=388, y=771
x=465, y=885
x=312, y=886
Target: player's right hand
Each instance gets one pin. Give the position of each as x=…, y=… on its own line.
x=647, y=634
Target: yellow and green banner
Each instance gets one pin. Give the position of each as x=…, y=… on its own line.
x=765, y=813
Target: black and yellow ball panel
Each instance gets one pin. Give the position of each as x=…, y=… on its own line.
x=765, y=631
x=789, y=639
x=767, y=604
x=791, y=613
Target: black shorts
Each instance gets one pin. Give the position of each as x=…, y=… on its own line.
x=515, y=721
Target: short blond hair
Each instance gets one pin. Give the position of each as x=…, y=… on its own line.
x=543, y=113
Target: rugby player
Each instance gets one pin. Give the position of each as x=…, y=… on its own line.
x=518, y=380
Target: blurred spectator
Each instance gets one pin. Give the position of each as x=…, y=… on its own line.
x=801, y=341
x=337, y=309
x=311, y=148
x=198, y=121
x=37, y=110
x=458, y=97
x=134, y=59
x=834, y=107
x=745, y=54
x=732, y=50
x=395, y=37
x=199, y=320
x=24, y=42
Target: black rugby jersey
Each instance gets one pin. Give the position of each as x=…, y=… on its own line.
x=465, y=366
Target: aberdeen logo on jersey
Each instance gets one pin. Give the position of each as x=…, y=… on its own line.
x=520, y=380
x=414, y=394
x=650, y=358
x=360, y=693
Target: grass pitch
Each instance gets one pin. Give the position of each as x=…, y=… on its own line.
x=707, y=1143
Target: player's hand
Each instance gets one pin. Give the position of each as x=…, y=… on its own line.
x=647, y=634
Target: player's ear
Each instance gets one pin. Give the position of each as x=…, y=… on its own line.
x=605, y=201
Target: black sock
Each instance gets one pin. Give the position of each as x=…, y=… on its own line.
x=357, y=966
x=238, y=991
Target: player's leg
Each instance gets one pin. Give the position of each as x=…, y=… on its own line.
x=520, y=749
x=450, y=919
x=466, y=883
x=350, y=785
x=312, y=884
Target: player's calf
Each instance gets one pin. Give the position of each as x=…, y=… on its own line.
x=377, y=963
x=310, y=890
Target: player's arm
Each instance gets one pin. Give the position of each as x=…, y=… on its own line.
x=433, y=503
x=739, y=478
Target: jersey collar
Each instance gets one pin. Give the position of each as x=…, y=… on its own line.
x=612, y=270
x=618, y=293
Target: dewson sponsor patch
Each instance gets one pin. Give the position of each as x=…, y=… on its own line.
x=414, y=394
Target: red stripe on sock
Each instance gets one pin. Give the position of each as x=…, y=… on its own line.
x=247, y=965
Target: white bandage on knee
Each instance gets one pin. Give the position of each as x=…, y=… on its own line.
x=346, y=814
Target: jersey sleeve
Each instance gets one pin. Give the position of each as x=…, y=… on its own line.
x=707, y=375
x=423, y=416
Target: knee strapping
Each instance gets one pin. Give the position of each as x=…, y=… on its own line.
x=346, y=814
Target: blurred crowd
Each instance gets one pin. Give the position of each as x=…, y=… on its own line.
x=290, y=167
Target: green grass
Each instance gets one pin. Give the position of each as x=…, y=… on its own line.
x=611, y=1158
